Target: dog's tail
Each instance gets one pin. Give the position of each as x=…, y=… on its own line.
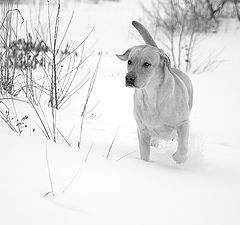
x=144, y=33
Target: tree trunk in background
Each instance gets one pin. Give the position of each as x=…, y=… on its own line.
x=236, y=2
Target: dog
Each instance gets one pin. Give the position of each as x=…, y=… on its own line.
x=163, y=96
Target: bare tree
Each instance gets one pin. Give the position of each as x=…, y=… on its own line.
x=237, y=7
x=215, y=8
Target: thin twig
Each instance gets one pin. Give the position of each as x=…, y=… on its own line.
x=14, y=99
x=75, y=49
x=66, y=31
x=65, y=139
x=90, y=110
x=110, y=148
x=39, y=117
x=125, y=155
x=77, y=173
x=8, y=11
x=88, y=153
x=87, y=99
x=81, y=130
x=70, y=133
x=49, y=171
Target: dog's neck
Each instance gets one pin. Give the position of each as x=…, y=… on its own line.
x=156, y=91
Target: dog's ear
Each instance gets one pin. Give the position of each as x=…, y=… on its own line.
x=167, y=61
x=125, y=55
x=164, y=57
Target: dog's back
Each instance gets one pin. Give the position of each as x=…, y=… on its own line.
x=187, y=82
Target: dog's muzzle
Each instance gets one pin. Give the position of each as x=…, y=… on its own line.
x=130, y=79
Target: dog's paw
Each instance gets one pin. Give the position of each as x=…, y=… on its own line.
x=154, y=143
x=179, y=157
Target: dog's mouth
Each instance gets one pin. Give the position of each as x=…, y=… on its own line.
x=130, y=84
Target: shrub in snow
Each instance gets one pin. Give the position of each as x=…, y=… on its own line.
x=180, y=26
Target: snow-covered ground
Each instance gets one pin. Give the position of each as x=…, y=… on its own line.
x=123, y=189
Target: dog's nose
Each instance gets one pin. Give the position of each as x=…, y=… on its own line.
x=130, y=79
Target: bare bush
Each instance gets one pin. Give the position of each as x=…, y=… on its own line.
x=180, y=27
x=9, y=73
x=22, y=59
x=8, y=33
x=60, y=80
x=222, y=8
x=9, y=115
x=237, y=8
x=26, y=53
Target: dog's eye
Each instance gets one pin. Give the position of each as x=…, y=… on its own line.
x=129, y=62
x=146, y=64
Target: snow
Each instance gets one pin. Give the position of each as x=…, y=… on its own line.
x=123, y=189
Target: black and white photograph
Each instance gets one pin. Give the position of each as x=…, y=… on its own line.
x=119, y=112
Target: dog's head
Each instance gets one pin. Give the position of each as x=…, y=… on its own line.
x=145, y=62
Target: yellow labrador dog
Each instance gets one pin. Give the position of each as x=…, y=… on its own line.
x=163, y=96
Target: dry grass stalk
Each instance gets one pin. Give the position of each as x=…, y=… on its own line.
x=90, y=89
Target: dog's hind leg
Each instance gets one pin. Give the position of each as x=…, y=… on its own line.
x=180, y=156
x=144, y=144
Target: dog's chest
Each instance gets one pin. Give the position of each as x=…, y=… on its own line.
x=145, y=114
x=152, y=117
x=154, y=124
x=147, y=110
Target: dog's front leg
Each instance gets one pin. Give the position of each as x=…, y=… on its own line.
x=180, y=156
x=144, y=144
